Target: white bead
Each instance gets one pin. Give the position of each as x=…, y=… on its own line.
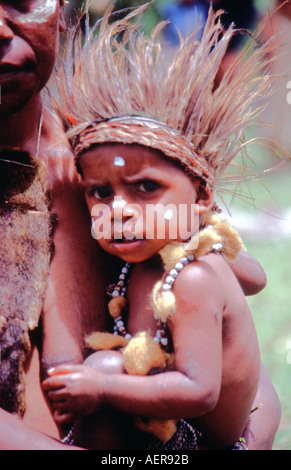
x=119, y=323
x=179, y=266
x=115, y=293
x=173, y=273
x=166, y=287
x=170, y=280
x=122, y=276
x=191, y=257
x=164, y=341
x=124, y=270
x=217, y=246
x=127, y=336
x=184, y=260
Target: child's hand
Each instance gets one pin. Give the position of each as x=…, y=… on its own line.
x=74, y=391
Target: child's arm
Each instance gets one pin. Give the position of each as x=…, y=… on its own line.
x=249, y=274
x=192, y=390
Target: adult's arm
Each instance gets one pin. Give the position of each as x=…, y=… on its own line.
x=75, y=299
x=16, y=435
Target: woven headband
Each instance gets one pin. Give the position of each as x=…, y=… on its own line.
x=150, y=133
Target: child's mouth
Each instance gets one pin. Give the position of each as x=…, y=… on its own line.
x=126, y=240
x=126, y=245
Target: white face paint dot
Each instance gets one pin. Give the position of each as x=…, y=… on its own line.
x=118, y=161
x=168, y=214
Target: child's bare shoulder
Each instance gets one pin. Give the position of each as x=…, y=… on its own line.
x=202, y=279
x=207, y=280
x=206, y=268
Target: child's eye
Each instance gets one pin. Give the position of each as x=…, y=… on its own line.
x=148, y=186
x=100, y=192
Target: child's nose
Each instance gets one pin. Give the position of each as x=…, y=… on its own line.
x=117, y=207
x=127, y=212
x=123, y=210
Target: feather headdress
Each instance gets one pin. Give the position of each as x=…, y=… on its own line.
x=115, y=86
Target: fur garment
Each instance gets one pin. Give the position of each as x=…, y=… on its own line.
x=25, y=254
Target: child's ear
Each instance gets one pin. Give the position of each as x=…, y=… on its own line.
x=205, y=197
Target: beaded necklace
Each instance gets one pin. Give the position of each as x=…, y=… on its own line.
x=120, y=290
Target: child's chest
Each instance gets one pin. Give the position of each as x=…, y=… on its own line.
x=141, y=284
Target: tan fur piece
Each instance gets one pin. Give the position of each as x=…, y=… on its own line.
x=162, y=303
x=105, y=341
x=116, y=306
x=207, y=238
x=163, y=429
x=171, y=254
x=143, y=354
x=140, y=356
x=231, y=240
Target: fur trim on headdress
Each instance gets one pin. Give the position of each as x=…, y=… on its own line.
x=106, y=85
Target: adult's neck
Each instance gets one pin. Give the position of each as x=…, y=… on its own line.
x=21, y=130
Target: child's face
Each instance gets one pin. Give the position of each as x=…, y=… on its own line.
x=28, y=44
x=146, y=200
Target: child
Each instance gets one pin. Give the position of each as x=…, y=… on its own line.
x=144, y=138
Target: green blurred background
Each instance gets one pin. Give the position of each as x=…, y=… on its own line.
x=266, y=232
x=262, y=212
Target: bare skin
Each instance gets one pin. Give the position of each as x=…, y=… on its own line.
x=215, y=343
x=249, y=273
